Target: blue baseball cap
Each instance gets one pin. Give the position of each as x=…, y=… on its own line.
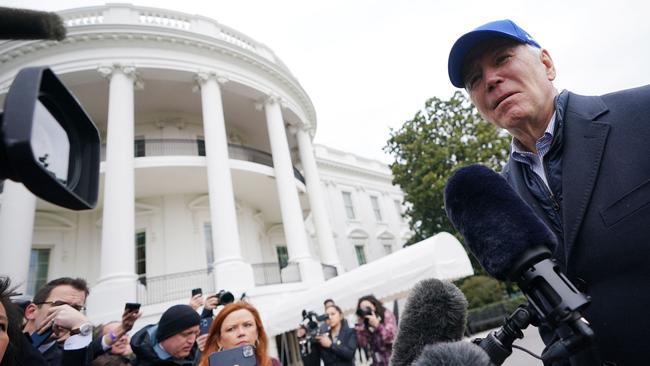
x=501, y=28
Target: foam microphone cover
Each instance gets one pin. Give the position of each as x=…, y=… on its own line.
x=498, y=226
x=459, y=353
x=25, y=24
x=435, y=311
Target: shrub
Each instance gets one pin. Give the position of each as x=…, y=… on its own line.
x=481, y=291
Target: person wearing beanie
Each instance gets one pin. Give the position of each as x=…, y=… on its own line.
x=170, y=342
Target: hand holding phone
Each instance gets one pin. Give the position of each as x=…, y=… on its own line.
x=204, y=325
x=132, y=307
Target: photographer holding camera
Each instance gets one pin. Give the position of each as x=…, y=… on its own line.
x=376, y=329
x=334, y=344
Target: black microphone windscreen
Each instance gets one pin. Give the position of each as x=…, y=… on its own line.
x=435, y=311
x=23, y=24
x=459, y=353
x=498, y=226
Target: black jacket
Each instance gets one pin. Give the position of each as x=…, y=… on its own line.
x=604, y=242
x=341, y=353
x=142, y=345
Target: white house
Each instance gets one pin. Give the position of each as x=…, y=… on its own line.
x=209, y=177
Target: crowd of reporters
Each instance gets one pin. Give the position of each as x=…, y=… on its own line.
x=52, y=329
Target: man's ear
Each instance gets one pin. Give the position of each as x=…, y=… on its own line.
x=547, y=61
x=30, y=311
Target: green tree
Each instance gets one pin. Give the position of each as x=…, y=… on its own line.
x=445, y=136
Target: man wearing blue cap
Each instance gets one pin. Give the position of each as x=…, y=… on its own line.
x=583, y=164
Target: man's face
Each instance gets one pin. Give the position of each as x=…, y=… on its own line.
x=511, y=84
x=63, y=294
x=180, y=345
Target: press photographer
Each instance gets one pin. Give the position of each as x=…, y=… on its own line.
x=376, y=328
x=326, y=337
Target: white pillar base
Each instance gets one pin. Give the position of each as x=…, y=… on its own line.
x=235, y=276
x=311, y=271
x=107, y=298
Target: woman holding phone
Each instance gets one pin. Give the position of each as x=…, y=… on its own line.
x=238, y=324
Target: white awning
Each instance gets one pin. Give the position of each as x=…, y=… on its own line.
x=391, y=277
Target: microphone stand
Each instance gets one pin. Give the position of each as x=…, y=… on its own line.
x=574, y=335
x=498, y=344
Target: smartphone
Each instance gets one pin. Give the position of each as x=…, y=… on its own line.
x=240, y=356
x=204, y=325
x=196, y=291
x=132, y=307
x=39, y=339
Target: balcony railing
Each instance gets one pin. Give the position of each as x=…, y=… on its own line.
x=157, y=289
x=178, y=286
x=126, y=14
x=196, y=147
x=329, y=271
x=270, y=274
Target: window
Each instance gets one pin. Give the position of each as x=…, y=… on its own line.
x=139, y=146
x=200, y=145
x=388, y=249
x=398, y=209
x=39, y=264
x=375, y=207
x=361, y=254
x=209, y=250
x=141, y=256
x=349, y=207
x=283, y=256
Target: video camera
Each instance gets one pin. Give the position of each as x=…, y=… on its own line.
x=314, y=324
x=47, y=141
x=225, y=297
x=362, y=313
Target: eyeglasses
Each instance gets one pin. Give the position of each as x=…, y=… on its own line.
x=79, y=308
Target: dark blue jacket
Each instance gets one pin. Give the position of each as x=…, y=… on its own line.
x=341, y=353
x=605, y=239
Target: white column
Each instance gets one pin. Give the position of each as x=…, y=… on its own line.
x=230, y=270
x=326, y=243
x=16, y=229
x=292, y=220
x=117, y=278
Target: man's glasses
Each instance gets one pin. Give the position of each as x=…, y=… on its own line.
x=79, y=308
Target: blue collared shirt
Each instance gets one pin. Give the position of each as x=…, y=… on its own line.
x=535, y=160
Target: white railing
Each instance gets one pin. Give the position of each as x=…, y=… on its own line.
x=136, y=15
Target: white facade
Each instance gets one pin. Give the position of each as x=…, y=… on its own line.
x=208, y=178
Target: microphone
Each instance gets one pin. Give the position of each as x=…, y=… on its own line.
x=435, y=311
x=512, y=243
x=459, y=353
x=24, y=24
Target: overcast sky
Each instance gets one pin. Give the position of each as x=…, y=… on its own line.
x=370, y=65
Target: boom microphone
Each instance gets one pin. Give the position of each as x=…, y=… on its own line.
x=24, y=24
x=512, y=243
x=459, y=353
x=435, y=311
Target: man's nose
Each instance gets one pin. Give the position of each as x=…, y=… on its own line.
x=492, y=78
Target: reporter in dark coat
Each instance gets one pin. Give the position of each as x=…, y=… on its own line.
x=337, y=347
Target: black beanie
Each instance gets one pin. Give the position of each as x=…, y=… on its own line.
x=175, y=320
